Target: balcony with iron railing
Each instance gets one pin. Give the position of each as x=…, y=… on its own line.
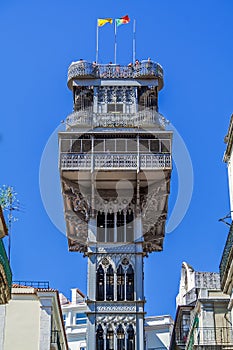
x=6, y=270
x=210, y=338
x=86, y=70
x=33, y=284
x=87, y=118
x=227, y=260
x=55, y=340
x=103, y=161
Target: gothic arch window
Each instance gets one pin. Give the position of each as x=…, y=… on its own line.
x=100, y=284
x=110, y=339
x=130, y=283
x=130, y=338
x=99, y=338
x=120, y=338
x=110, y=283
x=120, y=284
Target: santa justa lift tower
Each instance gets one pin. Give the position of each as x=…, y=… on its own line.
x=115, y=167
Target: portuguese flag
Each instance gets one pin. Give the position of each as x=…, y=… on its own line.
x=122, y=20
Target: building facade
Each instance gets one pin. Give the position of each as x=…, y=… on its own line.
x=158, y=332
x=202, y=318
x=226, y=264
x=32, y=320
x=115, y=167
x=75, y=319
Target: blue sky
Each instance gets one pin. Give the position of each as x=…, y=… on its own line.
x=192, y=40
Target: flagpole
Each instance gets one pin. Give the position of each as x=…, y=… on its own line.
x=134, y=40
x=97, y=42
x=115, y=43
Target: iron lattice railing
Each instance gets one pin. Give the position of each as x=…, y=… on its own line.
x=34, y=284
x=115, y=161
x=87, y=117
x=114, y=71
x=210, y=336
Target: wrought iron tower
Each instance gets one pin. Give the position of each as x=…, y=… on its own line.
x=115, y=167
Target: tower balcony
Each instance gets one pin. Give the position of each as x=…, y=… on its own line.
x=86, y=70
x=87, y=118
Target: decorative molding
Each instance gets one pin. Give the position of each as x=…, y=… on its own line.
x=115, y=307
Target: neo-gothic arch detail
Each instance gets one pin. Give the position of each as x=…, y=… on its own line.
x=125, y=266
x=106, y=262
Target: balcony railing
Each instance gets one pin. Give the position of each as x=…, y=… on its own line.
x=5, y=263
x=210, y=336
x=55, y=339
x=90, y=119
x=226, y=257
x=33, y=284
x=84, y=69
x=103, y=161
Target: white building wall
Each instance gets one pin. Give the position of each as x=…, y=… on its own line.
x=22, y=323
x=2, y=324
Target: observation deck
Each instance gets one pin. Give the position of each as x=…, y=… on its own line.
x=86, y=70
x=89, y=119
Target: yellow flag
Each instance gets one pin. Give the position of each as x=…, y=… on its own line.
x=103, y=21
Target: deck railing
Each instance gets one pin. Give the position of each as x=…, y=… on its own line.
x=5, y=263
x=226, y=256
x=89, y=118
x=77, y=161
x=84, y=69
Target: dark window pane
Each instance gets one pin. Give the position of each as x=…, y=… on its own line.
x=99, y=338
x=100, y=284
x=120, y=284
x=129, y=226
x=110, y=227
x=165, y=146
x=154, y=146
x=110, y=283
x=120, y=226
x=130, y=283
x=101, y=227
